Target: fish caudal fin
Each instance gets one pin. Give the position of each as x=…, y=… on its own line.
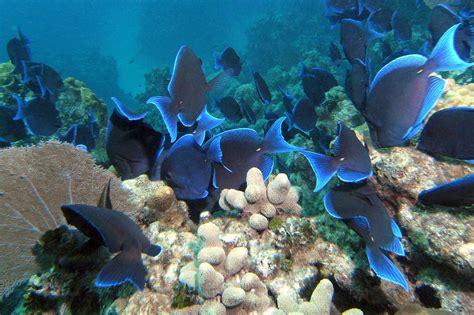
x=205, y=122
x=170, y=117
x=384, y=267
x=21, y=108
x=324, y=167
x=444, y=55
x=274, y=141
x=266, y=166
x=395, y=247
x=219, y=82
x=127, y=266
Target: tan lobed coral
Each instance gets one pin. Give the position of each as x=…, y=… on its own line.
x=215, y=273
x=34, y=183
x=456, y=95
x=262, y=202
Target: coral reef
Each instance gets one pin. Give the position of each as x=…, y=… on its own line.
x=46, y=177
x=260, y=202
x=456, y=95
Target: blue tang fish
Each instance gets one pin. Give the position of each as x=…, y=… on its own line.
x=357, y=83
x=395, y=117
x=116, y=231
x=458, y=193
x=10, y=130
x=229, y=107
x=449, y=133
x=188, y=168
x=187, y=89
x=355, y=38
x=263, y=91
x=242, y=149
x=303, y=116
x=18, y=50
x=401, y=26
x=361, y=209
x=229, y=61
x=41, y=78
x=39, y=115
x=351, y=161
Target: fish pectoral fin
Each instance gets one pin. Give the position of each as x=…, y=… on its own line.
x=219, y=82
x=127, y=266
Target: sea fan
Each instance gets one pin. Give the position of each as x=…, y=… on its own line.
x=34, y=183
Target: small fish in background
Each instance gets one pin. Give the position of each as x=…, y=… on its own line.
x=423, y=51
x=39, y=115
x=402, y=114
x=188, y=168
x=381, y=20
x=242, y=149
x=401, y=26
x=120, y=234
x=248, y=112
x=187, y=89
x=350, y=160
x=363, y=211
x=131, y=144
x=41, y=78
x=372, y=5
x=287, y=100
x=261, y=86
x=10, y=130
x=321, y=140
x=442, y=18
x=340, y=6
x=313, y=89
x=303, y=116
x=229, y=61
x=357, y=83
x=449, y=132
x=229, y=107
x=354, y=14
x=18, y=50
x=335, y=54
x=458, y=194
x=80, y=134
x=355, y=37
x=324, y=77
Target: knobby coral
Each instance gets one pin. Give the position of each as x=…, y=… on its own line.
x=34, y=183
x=261, y=202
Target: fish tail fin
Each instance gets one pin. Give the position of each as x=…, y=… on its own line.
x=41, y=85
x=205, y=122
x=126, y=266
x=217, y=61
x=21, y=108
x=384, y=267
x=219, y=82
x=302, y=70
x=395, y=246
x=290, y=120
x=170, y=117
x=215, y=152
x=275, y=142
x=444, y=56
x=323, y=167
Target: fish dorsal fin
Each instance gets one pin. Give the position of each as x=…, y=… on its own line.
x=105, y=201
x=125, y=112
x=215, y=152
x=413, y=60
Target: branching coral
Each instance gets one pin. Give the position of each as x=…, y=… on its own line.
x=262, y=202
x=217, y=273
x=34, y=183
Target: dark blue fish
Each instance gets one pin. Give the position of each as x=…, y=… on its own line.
x=403, y=92
x=313, y=89
x=458, y=193
x=205, y=123
x=351, y=161
x=248, y=112
x=229, y=61
x=229, y=107
x=373, y=5
x=340, y=6
x=442, y=18
x=401, y=26
x=353, y=14
x=360, y=207
x=119, y=233
x=403, y=52
x=188, y=168
x=80, y=134
x=355, y=37
x=4, y=144
x=187, y=89
x=325, y=78
x=357, y=83
x=381, y=20
x=303, y=116
x=287, y=100
x=41, y=78
x=242, y=149
x=263, y=91
x=132, y=145
x=18, y=50
x=321, y=140
x=39, y=115
x=449, y=132
x=386, y=48
x=10, y=130
x=335, y=54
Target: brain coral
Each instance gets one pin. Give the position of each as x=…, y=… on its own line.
x=34, y=183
